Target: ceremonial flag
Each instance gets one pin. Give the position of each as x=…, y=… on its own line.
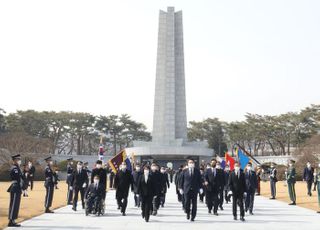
x=222, y=162
x=229, y=161
x=243, y=159
x=116, y=161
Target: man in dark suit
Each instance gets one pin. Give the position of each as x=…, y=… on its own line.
x=146, y=192
x=237, y=185
x=273, y=181
x=94, y=194
x=156, y=177
x=68, y=180
x=136, y=174
x=177, y=181
x=164, y=185
x=49, y=184
x=32, y=171
x=15, y=190
x=308, y=177
x=220, y=173
x=102, y=173
x=226, y=183
x=213, y=183
x=79, y=183
x=122, y=182
x=251, y=186
x=190, y=186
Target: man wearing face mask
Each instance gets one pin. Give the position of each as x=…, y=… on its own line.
x=136, y=174
x=49, y=184
x=220, y=173
x=32, y=171
x=308, y=177
x=164, y=185
x=15, y=190
x=190, y=186
x=79, y=183
x=251, y=186
x=237, y=185
x=94, y=195
x=122, y=182
x=177, y=177
x=146, y=192
x=291, y=180
x=68, y=181
x=273, y=181
x=213, y=183
x=156, y=177
x=102, y=173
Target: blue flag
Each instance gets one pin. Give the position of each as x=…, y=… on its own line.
x=243, y=159
x=128, y=163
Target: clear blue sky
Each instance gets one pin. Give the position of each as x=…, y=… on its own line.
x=100, y=56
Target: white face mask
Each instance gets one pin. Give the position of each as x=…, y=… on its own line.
x=218, y=166
x=208, y=167
x=96, y=181
x=146, y=172
x=237, y=168
x=248, y=168
x=137, y=168
x=79, y=167
x=290, y=165
x=227, y=169
x=191, y=165
x=51, y=163
x=71, y=162
x=153, y=168
x=98, y=166
x=123, y=167
x=163, y=170
x=30, y=164
x=19, y=162
x=308, y=165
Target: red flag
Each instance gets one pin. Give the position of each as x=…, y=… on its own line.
x=229, y=161
x=116, y=161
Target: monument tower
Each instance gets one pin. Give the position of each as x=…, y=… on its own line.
x=169, y=136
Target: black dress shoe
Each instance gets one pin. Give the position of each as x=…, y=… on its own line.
x=74, y=209
x=318, y=211
x=209, y=211
x=242, y=218
x=293, y=203
x=216, y=214
x=123, y=213
x=49, y=211
x=221, y=208
x=272, y=198
x=192, y=219
x=251, y=213
x=235, y=218
x=188, y=216
x=13, y=224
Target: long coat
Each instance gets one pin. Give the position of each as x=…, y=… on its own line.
x=122, y=183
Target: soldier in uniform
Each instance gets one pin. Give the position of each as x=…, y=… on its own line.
x=49, y=185
x=273, y=181
x=291, y=180
x=32, y=171
x=318, y=185
x=15, y=190
x=69, y=176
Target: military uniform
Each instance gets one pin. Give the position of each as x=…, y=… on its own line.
x=318, y=186
x=291, y=180
x=49, y=185
x=15, y=190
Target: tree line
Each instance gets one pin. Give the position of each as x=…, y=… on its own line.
x=263, y=134
x=68, y=132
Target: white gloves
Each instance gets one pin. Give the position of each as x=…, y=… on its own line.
x=201, y=190
x=229, y=193
x=70, y=188
x=181, y=191
x=84, y=185
x=245, y=194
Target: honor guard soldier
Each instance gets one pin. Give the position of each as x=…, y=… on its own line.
x=32, y=171
x=15, y=190
x=49, y=185
x=291, y=181
x=69, y=177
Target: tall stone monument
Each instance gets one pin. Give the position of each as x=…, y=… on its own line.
x=169, y=136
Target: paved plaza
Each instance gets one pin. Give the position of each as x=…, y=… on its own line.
x=268, y=214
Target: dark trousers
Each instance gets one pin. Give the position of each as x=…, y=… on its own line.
x=69, y=195
x=137, y=201
x=178, y=194
x=156, y=203
x=273, y=188
x=237, y=199
x=122, y=203
x=49, y=196
x=309, y=186
x=14, y=206
x=191, y=199
x=212, y=199
x=111, y=178
x=75, y=198
x=250, y=200
x=315, y=185
x=226, y=195
x=220, y=198
x=31, y=183
x=94, y=202
x=146, y=206
x=162, y=198
x=201, y=197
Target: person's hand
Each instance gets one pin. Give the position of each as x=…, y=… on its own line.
x=84, y=185
x=206, y=183
x=71, y=188
x=181, y=191
x=245, y=194
x=201, y=190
